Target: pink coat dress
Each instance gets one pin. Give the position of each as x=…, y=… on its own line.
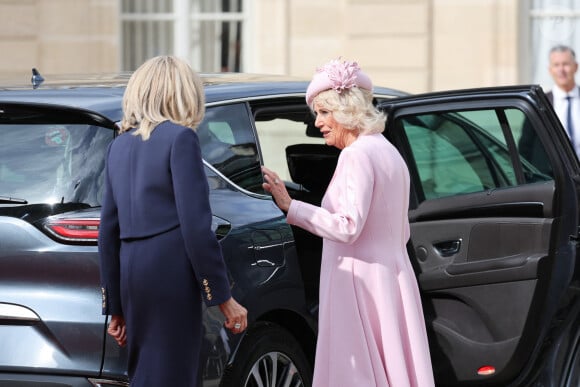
x=371, y=324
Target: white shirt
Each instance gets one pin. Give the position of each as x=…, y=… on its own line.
x=561, y=109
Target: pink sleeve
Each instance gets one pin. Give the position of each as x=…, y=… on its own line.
x=350, y=193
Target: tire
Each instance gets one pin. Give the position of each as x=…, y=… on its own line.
x=268, y=356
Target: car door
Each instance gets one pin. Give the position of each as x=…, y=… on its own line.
x=493, y=217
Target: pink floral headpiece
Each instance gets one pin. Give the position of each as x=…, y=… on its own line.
x=338, y=75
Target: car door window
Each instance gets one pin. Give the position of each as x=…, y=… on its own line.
x=229, y=144
x=277, y=133
x=293, y=146
x=468, y=151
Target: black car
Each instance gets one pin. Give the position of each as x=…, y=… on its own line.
x=494, y=232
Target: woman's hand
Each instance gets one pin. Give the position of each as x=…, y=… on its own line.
x=277, y=188
x=117, y=330
x=236, y=316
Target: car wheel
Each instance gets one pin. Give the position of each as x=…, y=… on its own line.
x=268, y=356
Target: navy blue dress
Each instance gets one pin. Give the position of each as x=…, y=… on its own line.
x=159, y=256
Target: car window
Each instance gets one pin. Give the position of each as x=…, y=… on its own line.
x=228, y=143
x=276, y=135
x=467, y=151
x=293, y=146
x=53, y=163
x=537, y=166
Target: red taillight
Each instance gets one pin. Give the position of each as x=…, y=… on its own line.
x=75, y=230
x=486, y=370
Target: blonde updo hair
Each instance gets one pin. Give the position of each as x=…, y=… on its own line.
x=353, y=109
x=163, y=88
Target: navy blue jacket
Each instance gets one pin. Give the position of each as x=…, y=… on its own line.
x=152, y=187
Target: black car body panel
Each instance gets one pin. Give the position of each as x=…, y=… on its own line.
x=493, y=241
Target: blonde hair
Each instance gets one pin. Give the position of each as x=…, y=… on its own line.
x=163, y=88
x=353, y=109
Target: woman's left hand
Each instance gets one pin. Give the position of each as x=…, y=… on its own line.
x=236, y=315
x=277, y=188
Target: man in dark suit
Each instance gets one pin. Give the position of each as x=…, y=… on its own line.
x=565, y=98
x=565, y=94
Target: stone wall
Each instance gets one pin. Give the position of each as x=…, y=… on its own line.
x=58, y=37
x=412, y=45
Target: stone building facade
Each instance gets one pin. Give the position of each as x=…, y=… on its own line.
x=412, y=45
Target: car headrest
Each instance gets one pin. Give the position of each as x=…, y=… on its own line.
x=312, y=165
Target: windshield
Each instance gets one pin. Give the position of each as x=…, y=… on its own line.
x=52, y=163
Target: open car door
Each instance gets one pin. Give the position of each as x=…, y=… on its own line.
x=494, y=220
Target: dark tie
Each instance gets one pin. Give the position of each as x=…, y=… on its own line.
x=569, y=123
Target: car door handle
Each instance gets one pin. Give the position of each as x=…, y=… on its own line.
x=270, y=255
x=448, y=248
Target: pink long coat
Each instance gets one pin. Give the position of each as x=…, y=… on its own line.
x=371, y=324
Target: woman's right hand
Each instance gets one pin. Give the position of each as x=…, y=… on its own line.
x=118, y=330
x=277, y=188
x=236, y=316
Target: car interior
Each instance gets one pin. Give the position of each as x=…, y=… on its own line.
x=296, y=150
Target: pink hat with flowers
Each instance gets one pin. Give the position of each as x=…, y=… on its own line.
x=338, y=75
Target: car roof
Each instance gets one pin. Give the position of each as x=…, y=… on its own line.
x=102, y=92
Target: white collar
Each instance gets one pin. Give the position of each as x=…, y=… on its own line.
x=561, y=94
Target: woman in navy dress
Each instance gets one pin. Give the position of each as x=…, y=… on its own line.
x=159, y=256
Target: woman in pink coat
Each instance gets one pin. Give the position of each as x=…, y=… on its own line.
x=371, y=325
